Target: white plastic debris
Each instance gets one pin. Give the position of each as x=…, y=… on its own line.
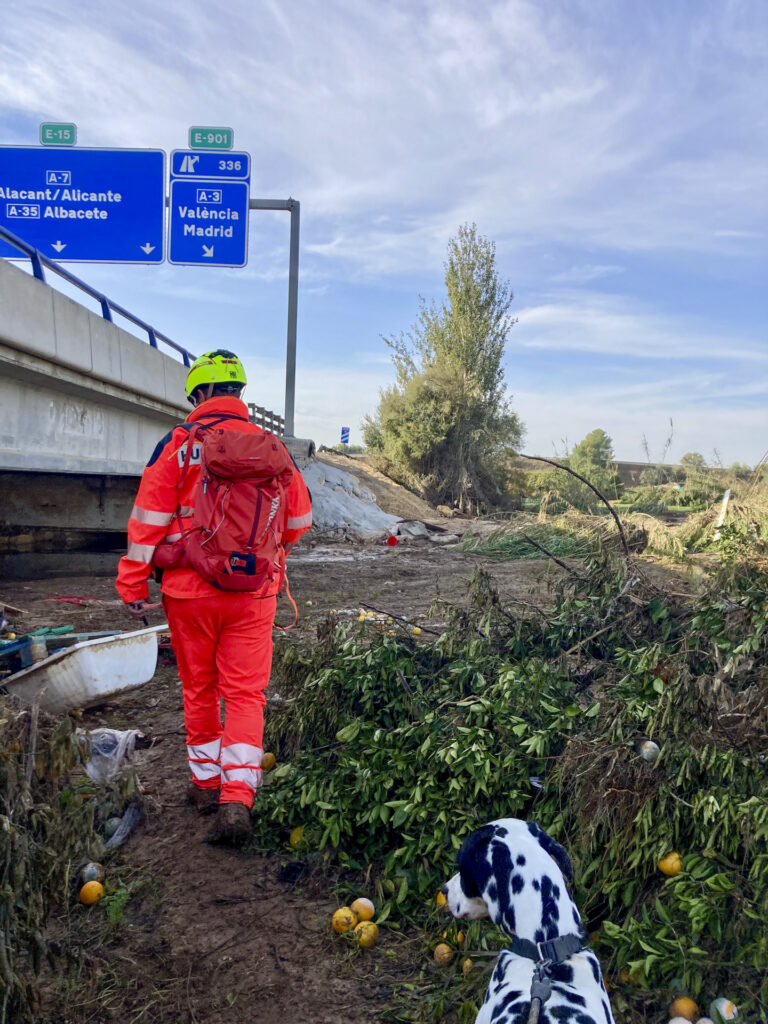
x=110, y=750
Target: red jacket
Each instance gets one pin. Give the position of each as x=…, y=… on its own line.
x=154, y=519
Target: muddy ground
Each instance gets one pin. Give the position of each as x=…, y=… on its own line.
x=211, y=936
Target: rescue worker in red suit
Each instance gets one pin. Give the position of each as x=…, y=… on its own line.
x=222, y=639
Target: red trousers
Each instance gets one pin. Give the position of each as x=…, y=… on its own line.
x=223, y=646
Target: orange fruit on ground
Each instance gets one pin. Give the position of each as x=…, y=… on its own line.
x=684, y=1007
x=367, y=932
x=466, y=966
x=268, y=761
x=343, y=920
x=363, y=907
x=296, y=836
x=460, y=938
x=416, y=631
x=440, y=899
x=671, y=864
x=443, y=954
x=91, y=893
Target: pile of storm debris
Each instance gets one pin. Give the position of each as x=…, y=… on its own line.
x=342, y=505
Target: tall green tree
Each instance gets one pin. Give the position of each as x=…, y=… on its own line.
x=693, y=461
x=446, y=425
x=592, y=457
x=595, y=450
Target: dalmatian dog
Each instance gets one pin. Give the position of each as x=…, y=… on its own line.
x=513, y=872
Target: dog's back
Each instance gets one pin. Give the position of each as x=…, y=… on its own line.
x=578, y=995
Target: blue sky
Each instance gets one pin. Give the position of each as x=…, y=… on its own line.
x=614, y=151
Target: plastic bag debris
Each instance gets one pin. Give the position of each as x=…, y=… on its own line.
x=109, y=750
x=132, y=816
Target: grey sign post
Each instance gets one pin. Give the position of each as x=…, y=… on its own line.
x=294, y=208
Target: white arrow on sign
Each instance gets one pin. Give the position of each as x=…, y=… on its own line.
x=58, y=246
x=207, y=251
x=147, y=248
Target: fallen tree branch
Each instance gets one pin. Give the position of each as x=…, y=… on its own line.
x=405, y=685
x=11, y=608
x=29, y=767
x=550, y=555
x=559, y=465
x=592, y=636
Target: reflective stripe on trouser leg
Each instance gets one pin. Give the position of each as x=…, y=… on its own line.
x=204, y=763
x=241, y=762
x=244, y=661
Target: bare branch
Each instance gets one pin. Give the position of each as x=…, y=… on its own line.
x=550, y=555
x=559, y=465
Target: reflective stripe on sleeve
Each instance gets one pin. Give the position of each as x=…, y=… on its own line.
x=140, y=552
x=150, y=517
x=297, y=522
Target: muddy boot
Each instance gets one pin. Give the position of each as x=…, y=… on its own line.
x=205, y=801
x=232, y=825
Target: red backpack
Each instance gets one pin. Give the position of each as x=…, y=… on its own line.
x=240, y=510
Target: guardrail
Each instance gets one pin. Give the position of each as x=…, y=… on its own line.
x=39, y=261
x=267, y=419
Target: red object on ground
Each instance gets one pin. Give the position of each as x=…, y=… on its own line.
x=223, y=647
x=392, y=541
x=75, y=600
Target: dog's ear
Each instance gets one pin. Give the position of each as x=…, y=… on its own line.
x=553, y=848
x=472, y=861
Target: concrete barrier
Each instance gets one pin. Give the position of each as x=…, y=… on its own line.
x=77, y=393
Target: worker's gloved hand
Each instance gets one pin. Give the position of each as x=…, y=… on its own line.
x=139, y=609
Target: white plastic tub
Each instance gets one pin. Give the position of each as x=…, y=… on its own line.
x=88, y=672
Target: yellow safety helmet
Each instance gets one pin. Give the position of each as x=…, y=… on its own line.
x=218, y=367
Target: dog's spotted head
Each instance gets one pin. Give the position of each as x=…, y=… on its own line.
x=514, y=873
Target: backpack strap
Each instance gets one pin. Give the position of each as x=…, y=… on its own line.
x=284, y=629
x=196, y=427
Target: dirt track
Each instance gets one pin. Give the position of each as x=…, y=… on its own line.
x=211, y=936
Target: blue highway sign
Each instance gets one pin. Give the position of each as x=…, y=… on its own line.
x=191, y=163
x=210, y=195
x=209, y=223
x=84, y=205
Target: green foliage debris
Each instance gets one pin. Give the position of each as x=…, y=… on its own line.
x=393, y=750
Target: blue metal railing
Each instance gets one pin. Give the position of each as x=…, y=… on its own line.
x=39, y=261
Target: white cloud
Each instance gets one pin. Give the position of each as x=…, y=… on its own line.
x=617, y=327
